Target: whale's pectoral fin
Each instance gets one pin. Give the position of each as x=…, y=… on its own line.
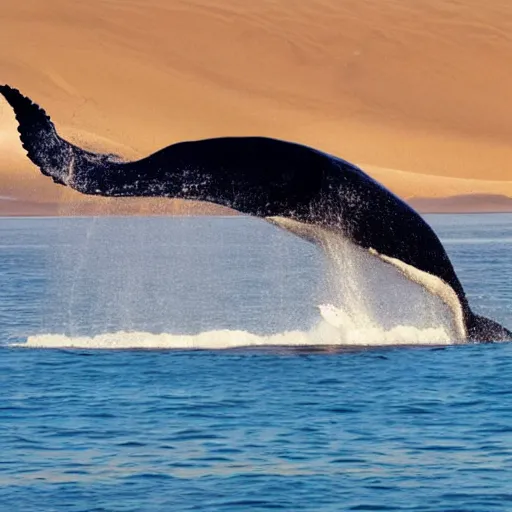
x=39, y=137
x=476, y=328
x=64, y=162
x=434, y=285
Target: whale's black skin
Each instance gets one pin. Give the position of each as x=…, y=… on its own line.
x=257, y=176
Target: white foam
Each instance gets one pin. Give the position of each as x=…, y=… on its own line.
x=348, y=333
x=220, y=339
x=323, y=334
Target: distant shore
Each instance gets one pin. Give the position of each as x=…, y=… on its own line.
x=13, y=207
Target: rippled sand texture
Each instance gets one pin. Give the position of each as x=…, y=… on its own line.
x=418, y=93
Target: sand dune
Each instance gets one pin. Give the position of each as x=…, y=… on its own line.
x=482, y=203
x=416, y=92
x=413, y=184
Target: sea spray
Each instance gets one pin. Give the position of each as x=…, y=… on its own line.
x=372, y=294
x=369, y=302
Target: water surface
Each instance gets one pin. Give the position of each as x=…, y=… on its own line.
x=423, y=429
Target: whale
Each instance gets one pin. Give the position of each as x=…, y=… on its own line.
x=301, y=189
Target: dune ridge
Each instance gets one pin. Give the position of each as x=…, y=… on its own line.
x=418, y=94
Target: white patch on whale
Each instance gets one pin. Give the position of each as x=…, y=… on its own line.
x=376, y=296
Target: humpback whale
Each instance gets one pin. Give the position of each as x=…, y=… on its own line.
x=292, y=185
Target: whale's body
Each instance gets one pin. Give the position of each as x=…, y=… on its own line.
x=262, y=177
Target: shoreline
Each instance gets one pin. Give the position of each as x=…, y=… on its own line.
x=12, y=206
x=24, y=215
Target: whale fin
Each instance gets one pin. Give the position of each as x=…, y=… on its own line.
x=485, y=330
x=38, y=136
x=479, y=328
x=54, y=156
x=434, y=285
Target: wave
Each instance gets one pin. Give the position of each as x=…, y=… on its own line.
x=323, y=334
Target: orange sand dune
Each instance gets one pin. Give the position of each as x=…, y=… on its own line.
x=421, y=87
x=413, y=184
x=483, y=203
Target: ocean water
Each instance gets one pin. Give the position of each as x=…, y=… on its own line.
x=261, y=425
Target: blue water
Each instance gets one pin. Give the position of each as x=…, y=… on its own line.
x=425, y=429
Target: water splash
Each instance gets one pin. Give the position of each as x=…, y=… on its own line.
x=378, y=296
x=374, y=300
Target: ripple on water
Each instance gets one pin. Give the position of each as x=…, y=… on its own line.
x=407, y=430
